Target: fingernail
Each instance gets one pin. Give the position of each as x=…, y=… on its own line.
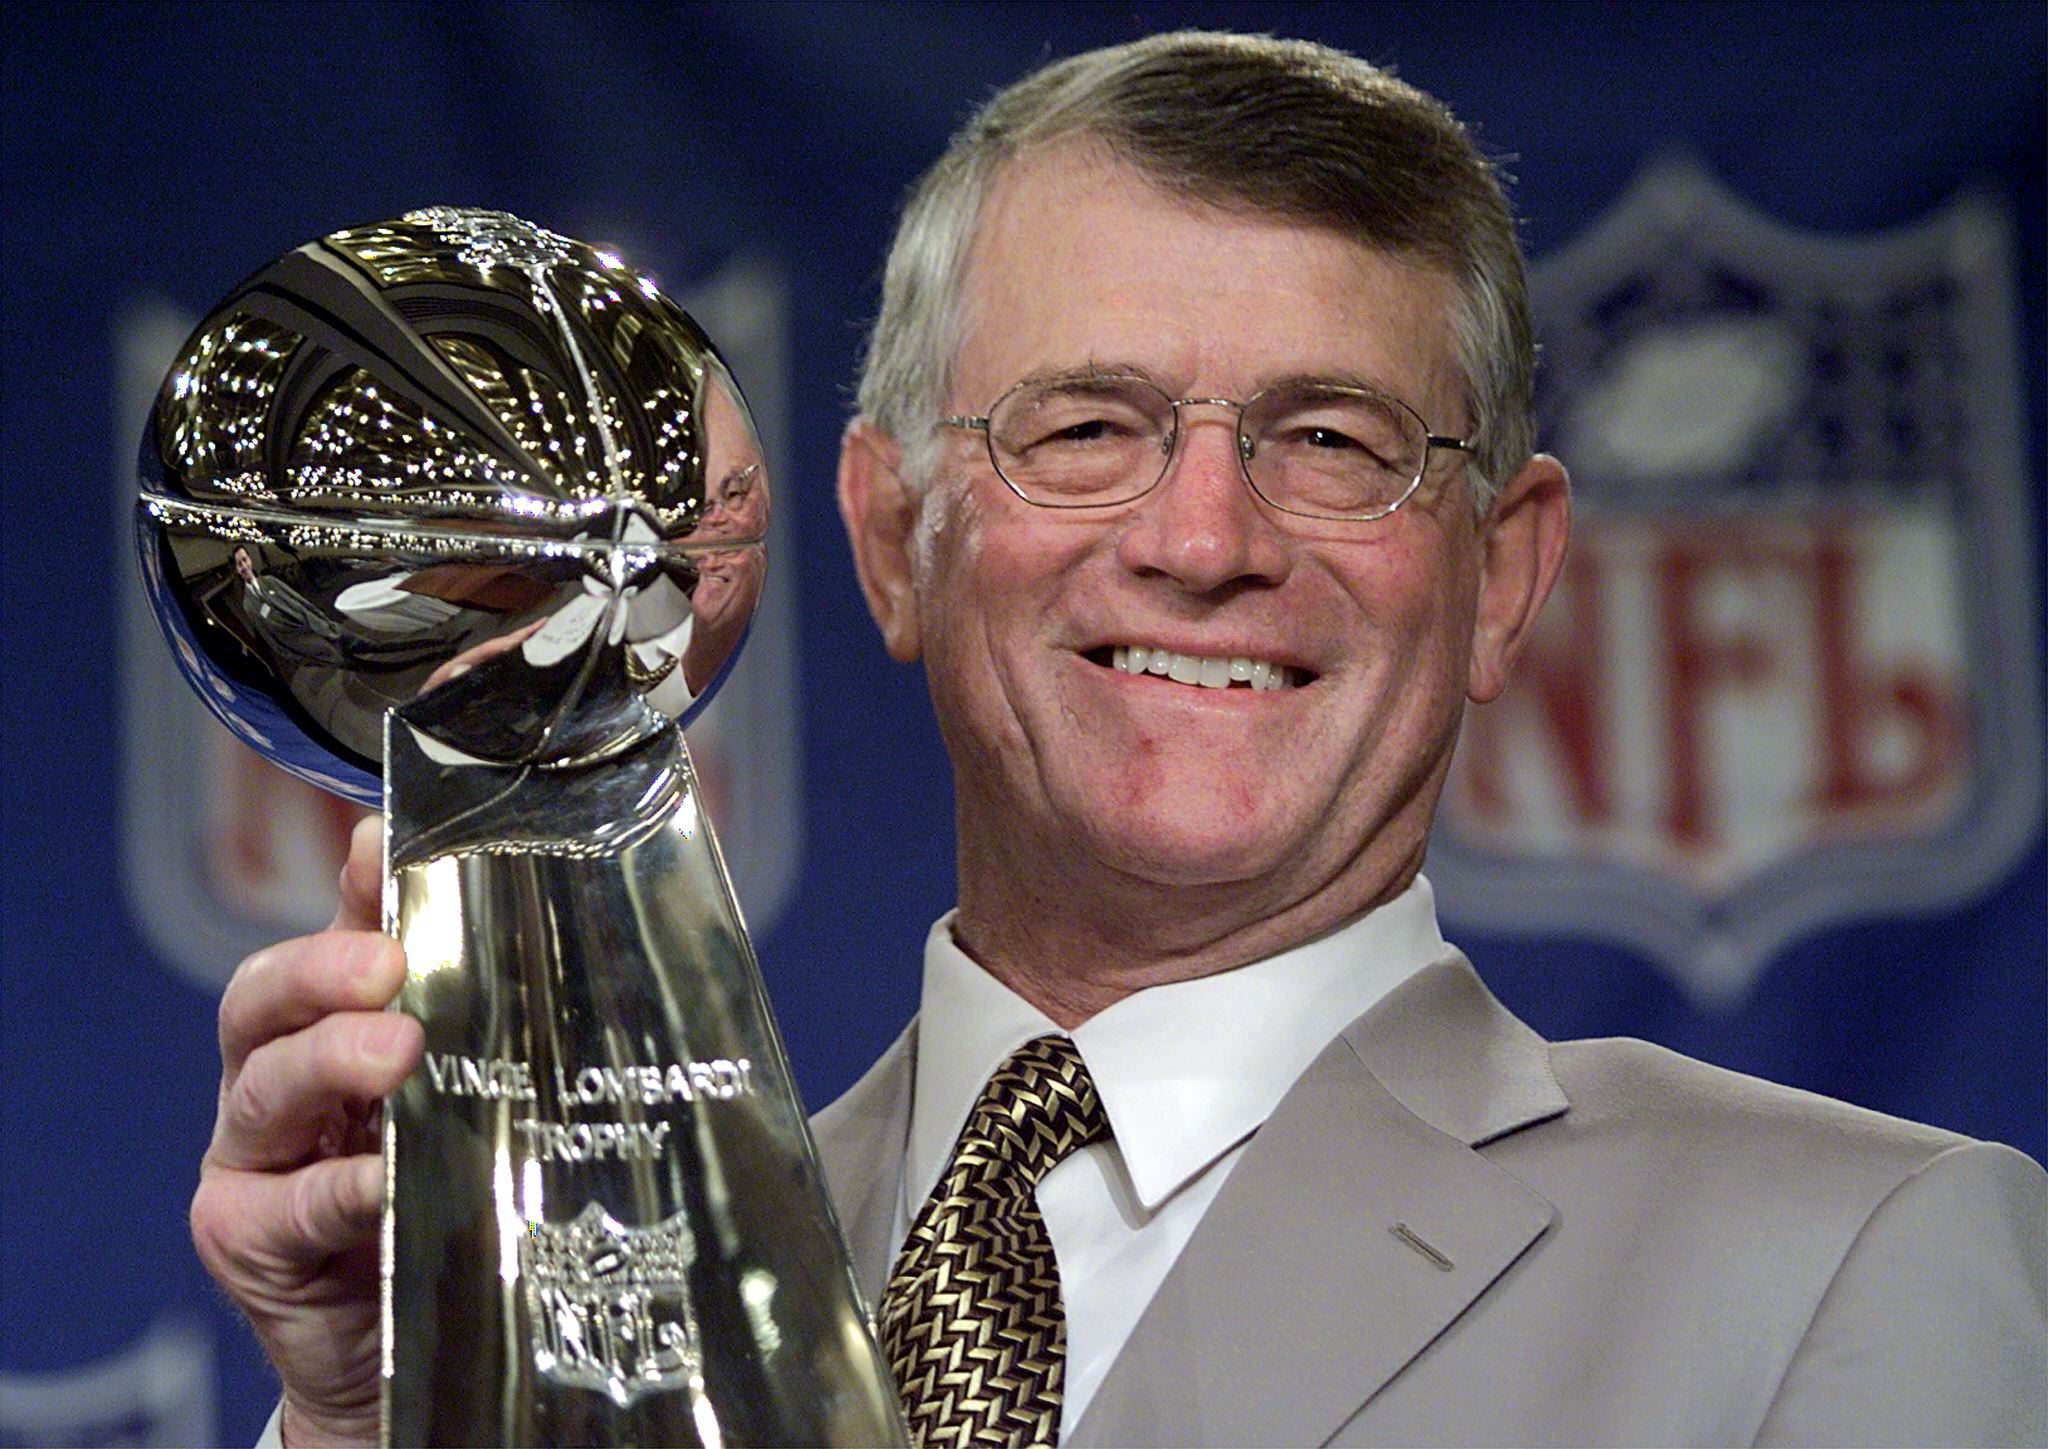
x=380, y=965
x=370, y=1180
x=384, y=1040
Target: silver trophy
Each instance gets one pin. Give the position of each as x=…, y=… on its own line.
x=457, y=516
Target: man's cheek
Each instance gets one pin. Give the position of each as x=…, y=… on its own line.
x=949, y=530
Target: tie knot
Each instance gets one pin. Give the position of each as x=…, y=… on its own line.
x=1037, y=1107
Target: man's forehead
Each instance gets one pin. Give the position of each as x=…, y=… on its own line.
x=1074, y=244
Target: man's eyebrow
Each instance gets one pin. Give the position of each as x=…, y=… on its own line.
x=1090, y=371
x=1363, y=382
x=1098, y=371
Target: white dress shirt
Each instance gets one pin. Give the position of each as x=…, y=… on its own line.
x=1186, y=1073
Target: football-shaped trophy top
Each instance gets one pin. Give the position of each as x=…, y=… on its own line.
x=460, y=466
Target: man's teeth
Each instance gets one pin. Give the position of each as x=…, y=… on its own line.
x=1210, y=672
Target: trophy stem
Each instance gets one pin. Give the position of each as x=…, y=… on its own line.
x=604, y=1219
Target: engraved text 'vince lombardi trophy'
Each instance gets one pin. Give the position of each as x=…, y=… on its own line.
x=457, y=515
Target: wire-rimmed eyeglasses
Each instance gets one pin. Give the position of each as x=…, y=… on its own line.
x=1318, y=449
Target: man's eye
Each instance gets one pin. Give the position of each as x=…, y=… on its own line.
x=1076, y=431
x=1086, y=430
x=1332, y=444
x=1326, y=438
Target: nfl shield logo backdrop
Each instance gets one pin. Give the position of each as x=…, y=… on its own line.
x=1790, y=676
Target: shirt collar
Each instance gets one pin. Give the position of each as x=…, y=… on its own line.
x=1185, y=1071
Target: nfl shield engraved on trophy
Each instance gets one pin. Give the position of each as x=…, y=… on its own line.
x=459, y=515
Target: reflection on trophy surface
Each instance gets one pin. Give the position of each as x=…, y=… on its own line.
x=459, y=516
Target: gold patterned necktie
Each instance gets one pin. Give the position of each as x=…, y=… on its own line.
x=973, y=1321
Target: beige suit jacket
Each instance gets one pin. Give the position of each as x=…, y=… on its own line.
x=1637, y=1249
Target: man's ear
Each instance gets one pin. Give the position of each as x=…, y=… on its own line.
x=1522, y=544
x=880, y=513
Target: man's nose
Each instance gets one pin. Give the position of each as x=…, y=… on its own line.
x=1202, y=525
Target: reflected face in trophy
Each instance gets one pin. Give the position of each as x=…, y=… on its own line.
x=1122, y=781
x=735, y=482
x=737, y=509
x=728, y=586
x=728, y=589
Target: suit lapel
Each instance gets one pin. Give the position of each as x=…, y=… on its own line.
x=861, y=1140
x=1319, y=1271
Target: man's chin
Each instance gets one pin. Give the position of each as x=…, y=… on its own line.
x=1187, y=852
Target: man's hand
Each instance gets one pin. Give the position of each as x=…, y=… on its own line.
x=291, y=1188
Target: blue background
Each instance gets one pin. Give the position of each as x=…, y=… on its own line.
x=167, y=151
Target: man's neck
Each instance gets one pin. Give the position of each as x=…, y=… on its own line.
x=1071, y=950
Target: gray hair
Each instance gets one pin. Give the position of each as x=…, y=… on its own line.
x=1283, y=128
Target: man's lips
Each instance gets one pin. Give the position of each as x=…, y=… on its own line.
x=1208, y=671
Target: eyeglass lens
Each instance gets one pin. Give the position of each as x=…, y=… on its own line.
x=1315, y=448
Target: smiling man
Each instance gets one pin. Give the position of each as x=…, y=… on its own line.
x=1195, y=462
